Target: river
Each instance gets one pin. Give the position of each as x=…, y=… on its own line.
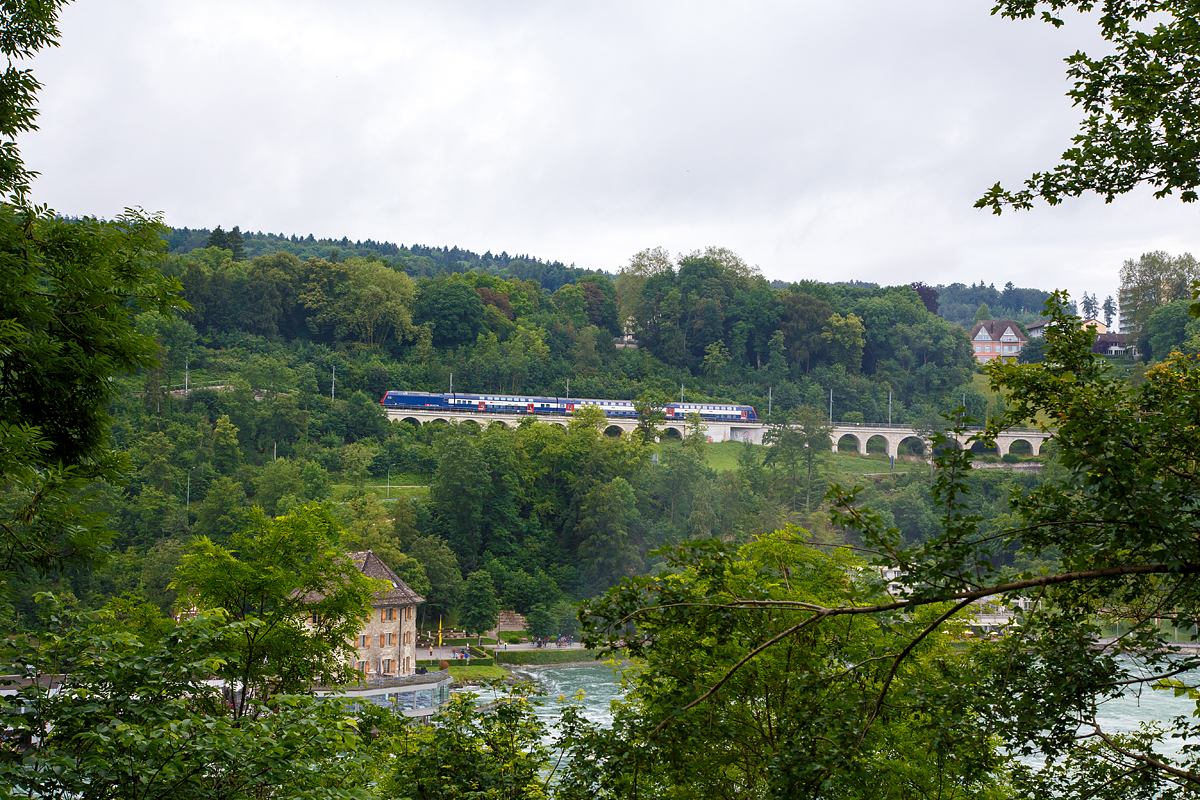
x=600, y=686
x=598, y=682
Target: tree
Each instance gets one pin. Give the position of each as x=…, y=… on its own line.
x=716, y=356
x=1167, y=329
x=803, y=321
x=236, y=244
x=218, y=238
x=466, y=753
x=1110, y=311
x=605, y=550
x=134, y=714
x=478, y=609
x=650, y=416
x=1152, y=281
x=457, y=495
x=983, y=313
x=798, y=718
x=301, y=599
x=451, y=308
x=441, y=567
x=844, y=340
x=1090, y=305
x=223, y=512
x=697, y=431
x=27, y=27
x=68, y=291
x=227, y=450
x=929, y=296
x=801, y=443
x=1115, y=528
x=1142, y=121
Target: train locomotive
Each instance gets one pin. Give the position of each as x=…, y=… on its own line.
x=557, y=406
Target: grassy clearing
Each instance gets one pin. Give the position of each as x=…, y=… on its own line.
x=478, y=673
x=341, y=491
x=851, y=464
x=723, y=457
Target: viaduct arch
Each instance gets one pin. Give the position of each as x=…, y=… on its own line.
x=859, y=435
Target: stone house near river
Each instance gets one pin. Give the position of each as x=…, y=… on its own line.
x=386, y=645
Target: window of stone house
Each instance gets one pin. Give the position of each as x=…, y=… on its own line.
x=364, y=640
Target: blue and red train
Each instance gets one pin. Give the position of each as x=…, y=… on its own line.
x=557, y=406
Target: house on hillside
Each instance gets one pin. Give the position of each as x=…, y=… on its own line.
x=386, y=644
x=1114, y=344
x=997, y=338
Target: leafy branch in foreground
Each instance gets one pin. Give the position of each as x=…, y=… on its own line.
x=1121, y=523
x=1142, y=115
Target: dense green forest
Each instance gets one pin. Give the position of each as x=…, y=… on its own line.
x=266, y=395
x=960, y=303
x=418, y=261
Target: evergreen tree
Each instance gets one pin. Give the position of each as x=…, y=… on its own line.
x=218, y=238
x=235, y=244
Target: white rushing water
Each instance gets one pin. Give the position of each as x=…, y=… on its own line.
x=599, y=683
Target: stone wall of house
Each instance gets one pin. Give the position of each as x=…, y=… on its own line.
x=387, y=643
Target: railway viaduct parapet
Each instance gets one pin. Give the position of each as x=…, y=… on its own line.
x=859, y=434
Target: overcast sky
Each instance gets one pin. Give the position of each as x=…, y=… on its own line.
x=830, y=141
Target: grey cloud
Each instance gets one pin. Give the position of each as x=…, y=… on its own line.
x=819, y=140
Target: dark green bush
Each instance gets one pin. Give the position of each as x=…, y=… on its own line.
x=550, y=656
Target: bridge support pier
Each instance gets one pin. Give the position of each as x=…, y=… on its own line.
x=861, y=433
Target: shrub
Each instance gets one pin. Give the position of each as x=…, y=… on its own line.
x=550, y=656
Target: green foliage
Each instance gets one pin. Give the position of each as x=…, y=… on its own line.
x=478, y=604
x=1154, y=280
x=1141, y=121
x=298, y=601
x=135, y=716
x=66, y=294
x=604, y=540
x=499, y=753
x=800, y=446
x=27, y=28
x=739, y=692
x=545, y=656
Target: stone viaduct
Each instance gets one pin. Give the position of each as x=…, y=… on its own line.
x=845, y=437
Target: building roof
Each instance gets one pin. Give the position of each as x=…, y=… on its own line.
x=996, y=328
x=372, y=566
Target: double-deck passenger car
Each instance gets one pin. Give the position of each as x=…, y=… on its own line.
x=558, y=406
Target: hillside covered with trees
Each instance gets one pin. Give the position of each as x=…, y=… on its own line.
x=267, y=395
